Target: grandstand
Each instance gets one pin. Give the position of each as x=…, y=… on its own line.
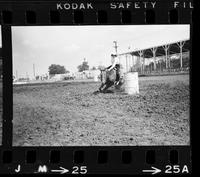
x=170, y=57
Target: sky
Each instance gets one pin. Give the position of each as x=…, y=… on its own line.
x=69, y=45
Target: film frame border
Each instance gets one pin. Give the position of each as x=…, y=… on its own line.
x=13, y=155
x=41, y=13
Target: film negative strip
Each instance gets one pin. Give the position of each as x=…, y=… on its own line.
x=96, y=87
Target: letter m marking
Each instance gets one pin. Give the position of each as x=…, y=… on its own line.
x=42, y=169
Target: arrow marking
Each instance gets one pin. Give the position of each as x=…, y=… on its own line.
x=61, y=171
x=153, y=171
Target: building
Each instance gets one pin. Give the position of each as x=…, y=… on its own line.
x=88, y=74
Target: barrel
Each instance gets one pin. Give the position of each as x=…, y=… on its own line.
x=131, y=84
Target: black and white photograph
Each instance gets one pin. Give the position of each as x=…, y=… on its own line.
x=1, y=89
x=113, y=85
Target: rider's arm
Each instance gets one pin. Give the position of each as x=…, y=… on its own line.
x=109, y=67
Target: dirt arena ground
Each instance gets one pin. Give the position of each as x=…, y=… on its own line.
x=67, y=114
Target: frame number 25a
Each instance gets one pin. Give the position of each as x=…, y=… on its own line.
x=176, y=169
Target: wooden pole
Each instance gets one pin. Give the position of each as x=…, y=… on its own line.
x=154, y=56
x=126, y=64
x=133, y=63
x=181, y=58
x=141, y=57
x=181, y=44
x=166, y=47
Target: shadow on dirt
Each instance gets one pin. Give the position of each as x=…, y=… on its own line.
x=107, y=91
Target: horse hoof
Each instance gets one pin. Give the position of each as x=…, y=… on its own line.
x=96, y=92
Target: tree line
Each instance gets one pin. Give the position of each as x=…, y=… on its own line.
x=59, y=69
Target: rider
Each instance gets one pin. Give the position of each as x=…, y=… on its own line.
x=115, y=65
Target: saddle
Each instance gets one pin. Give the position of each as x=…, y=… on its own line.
x=112, y=76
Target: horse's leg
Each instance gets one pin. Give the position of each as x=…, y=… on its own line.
x=100, y=88
x=108, y=85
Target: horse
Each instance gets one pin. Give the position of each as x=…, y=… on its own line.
x=108, y=79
